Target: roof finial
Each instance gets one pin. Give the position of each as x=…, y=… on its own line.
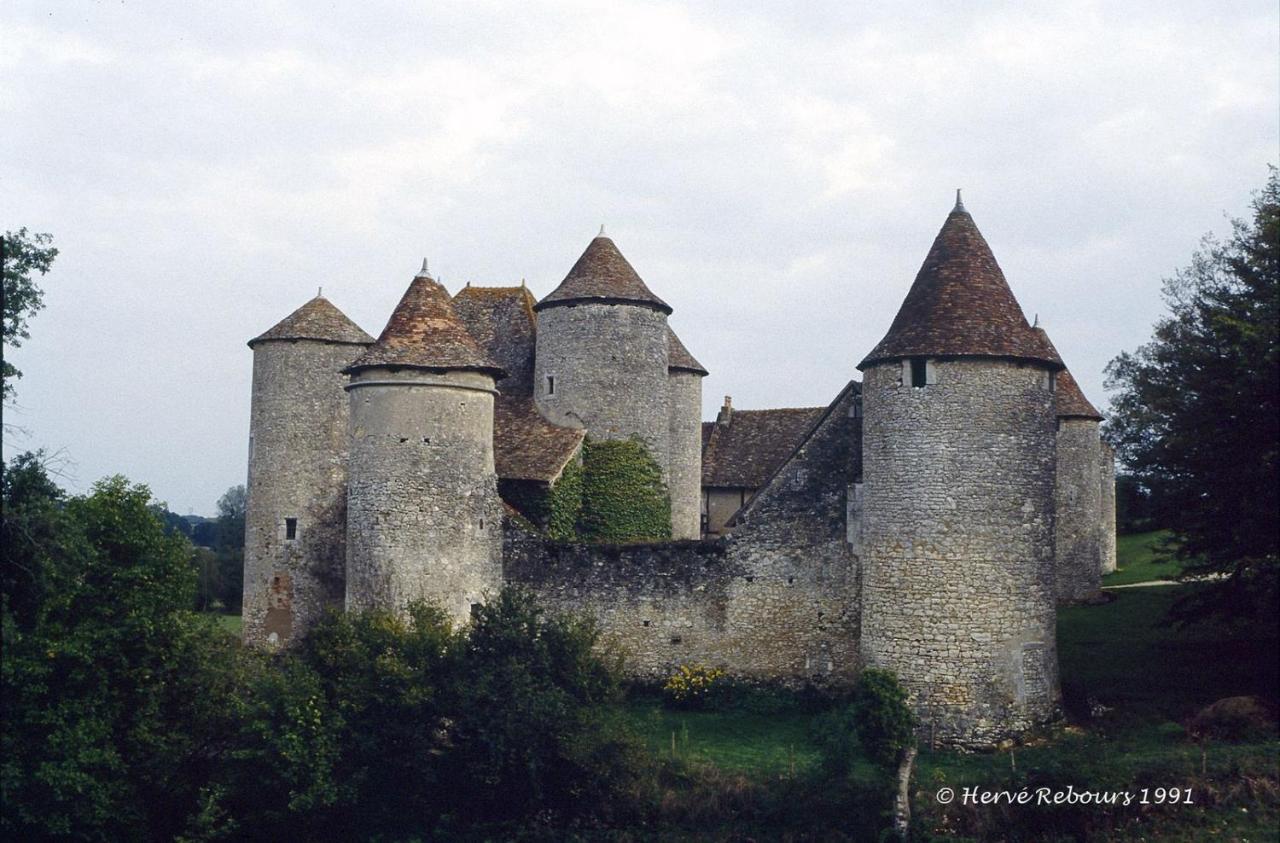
x=601, y=234
x=320, y=292
x=522, y=284
x=959, y=204
x=1036, y=322
x=424, y=272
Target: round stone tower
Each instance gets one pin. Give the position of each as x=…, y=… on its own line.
x=295, y=516
x=958, y=469
x=1078, y=534
x=424, y=521
x=602, y=352
x=1107, y=474
x=684, y=437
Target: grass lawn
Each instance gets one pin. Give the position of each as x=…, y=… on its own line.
x=230, y=623
x=1136, y=560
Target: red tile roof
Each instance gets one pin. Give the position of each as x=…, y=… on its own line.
x=318, y=319
x=960, y=305
x=525, y=445
x=602, y=274
x=745, y=452
x=678, y=357
x=424, y=332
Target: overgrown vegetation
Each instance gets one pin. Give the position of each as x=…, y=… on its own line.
x=616, y=494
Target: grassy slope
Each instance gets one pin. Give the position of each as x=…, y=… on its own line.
x=1139, y=560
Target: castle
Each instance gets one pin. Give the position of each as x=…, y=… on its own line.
x=928, y=520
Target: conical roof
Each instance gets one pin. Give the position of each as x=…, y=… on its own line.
x=678, y=357
x=960, y=305
x=1068, y=399
x=602, y=274
x=319, y=320
x=424, y=332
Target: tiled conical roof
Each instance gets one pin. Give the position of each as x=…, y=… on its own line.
x=424, y=332
x=678, y=357
x=602, y=274
x=1068, y=399
x=960, y=305
x=319, y=320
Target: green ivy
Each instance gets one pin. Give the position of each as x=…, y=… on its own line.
x=564, y=504
x=624, y=498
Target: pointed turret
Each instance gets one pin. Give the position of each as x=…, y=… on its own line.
x=960, y=305
x=1069, y=401
x=318, y=319
x=603, y=275
x=678, y=357
x=424, y=332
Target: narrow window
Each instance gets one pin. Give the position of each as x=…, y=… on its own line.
x=551, y=384
x=291, y=528
x=919, y=372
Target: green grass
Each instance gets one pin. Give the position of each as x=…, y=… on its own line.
x=1139, y=560
x=734, y=741
x=230, y=623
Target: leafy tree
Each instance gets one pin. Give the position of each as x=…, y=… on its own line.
x=21, y=254
x=1197, y=414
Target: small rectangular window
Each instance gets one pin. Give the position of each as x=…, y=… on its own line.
x=291, y=528
x=919, y=371
x=551, y=385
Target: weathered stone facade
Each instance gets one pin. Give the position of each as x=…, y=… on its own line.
x=957, y=541
x=1078, y=531
x=684, y=459
x=295, y=515
x=424, y=521
x=1107, y=474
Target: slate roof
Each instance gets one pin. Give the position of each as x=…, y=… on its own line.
x=602, y=274
x=318, y=319
x=525, y=445
x=678, y=357
x=424, y=332
x=503, y=324
x=1068, y=399
x=960, y=305
x=745, y=452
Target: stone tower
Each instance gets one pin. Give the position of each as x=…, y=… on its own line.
x=1078, y=535
x=602, y=359
x=1107, y=474
x=684, y=438
x=958, y=469
x=424, y=520
x=295, y=516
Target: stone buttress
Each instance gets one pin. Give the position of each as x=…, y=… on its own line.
x=423, y=513
x=957, y=519
x=295, y=515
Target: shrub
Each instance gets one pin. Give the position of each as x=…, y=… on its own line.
x=693, y=686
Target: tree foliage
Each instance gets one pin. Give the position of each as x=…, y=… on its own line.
x=624, y=498
x=1197, y=414
x=21, y=254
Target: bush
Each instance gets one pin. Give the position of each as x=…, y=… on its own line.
x=694, y=686
x=876, y=723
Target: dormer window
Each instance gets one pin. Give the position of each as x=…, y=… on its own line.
x=919, y=372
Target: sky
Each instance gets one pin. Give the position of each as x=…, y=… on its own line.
x=775, y=172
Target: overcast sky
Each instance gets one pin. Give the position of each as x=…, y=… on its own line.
x=776, y=172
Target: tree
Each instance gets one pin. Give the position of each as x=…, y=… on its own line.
x=1197, y=415
x=21, y=254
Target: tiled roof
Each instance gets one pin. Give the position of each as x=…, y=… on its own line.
x=424, y=332
x=318, y=319
x=503, y=324
x=960, y=305
x=1068, y=399
x=678, y=357
x=525, y=445
x=746, y=451
x=602, y=274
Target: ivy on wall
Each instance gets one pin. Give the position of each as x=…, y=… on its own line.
x=615, y=494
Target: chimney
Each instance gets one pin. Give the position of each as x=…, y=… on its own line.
x=726, y=412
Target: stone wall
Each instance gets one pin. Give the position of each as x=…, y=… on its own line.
x=1107, y=474
x=684, y=460
x=424, y=520
x=775, y=601
x=609, y=362
x=957, y=540
x=1078, y=537
x=298, y=439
